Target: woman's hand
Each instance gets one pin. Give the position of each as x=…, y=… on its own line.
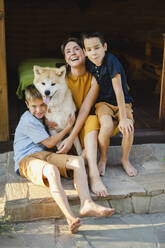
x=50, y=124
x=65, y=145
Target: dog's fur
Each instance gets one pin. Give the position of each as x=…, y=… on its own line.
x=51, y=83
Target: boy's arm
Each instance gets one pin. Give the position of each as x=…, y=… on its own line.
x=88, y=102
x=53, y=140
x=125, y=125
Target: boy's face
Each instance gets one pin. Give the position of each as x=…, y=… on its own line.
x=94, y=50
x=37, y=107
x=74, y=54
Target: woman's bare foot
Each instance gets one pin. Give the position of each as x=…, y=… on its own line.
x=129, y=169
x=102, y=166
x=97, y=186
x=90, y=208
x=74, y=224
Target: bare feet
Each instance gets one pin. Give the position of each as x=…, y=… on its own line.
x=129, y=169
x=90, y=208
x=102, y=166
x=97, y=186
x=74, y=225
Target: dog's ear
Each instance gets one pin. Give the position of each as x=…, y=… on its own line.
x=37, y=70
x=61, y=71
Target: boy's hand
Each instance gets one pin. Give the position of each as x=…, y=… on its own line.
x=70, y=122
x=50, y=124
x=126, y=126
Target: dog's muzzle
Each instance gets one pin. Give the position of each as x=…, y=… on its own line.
x=47, y=92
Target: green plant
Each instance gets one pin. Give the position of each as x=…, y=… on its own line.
x=4, y=226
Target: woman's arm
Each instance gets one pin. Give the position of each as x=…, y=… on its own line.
x=53, y=140
x=85, y=108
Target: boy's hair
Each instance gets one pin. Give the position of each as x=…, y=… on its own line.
x=69, y=39
x=93, y=34
x=32, y=93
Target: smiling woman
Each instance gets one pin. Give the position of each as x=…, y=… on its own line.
x=84, y=90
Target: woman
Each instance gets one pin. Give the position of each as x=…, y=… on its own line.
x=84, y=90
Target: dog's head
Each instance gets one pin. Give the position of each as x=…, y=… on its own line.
x=48, y=81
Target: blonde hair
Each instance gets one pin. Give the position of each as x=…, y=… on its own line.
x=32, y=93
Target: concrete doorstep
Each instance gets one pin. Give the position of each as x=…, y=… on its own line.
x=23, y=201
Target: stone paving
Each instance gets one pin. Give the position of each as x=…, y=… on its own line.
x=145, y=193
x=129, y=231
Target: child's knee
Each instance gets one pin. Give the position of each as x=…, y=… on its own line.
x=50, y=171
x=106, y=122
x=80, y=165
x=80, y=162
x=107, y=127
x=75, y=163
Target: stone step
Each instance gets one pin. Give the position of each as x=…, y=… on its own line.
x=23, y=201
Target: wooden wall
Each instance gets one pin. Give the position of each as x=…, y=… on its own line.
x=4, y=121
x=36, y=28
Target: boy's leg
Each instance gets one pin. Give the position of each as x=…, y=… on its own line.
x=107, y=127
x=51, y=173
x=36, y=169
x=96, y=184
x=127, y=142
x=88, y=207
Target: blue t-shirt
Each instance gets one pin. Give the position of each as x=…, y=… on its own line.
x=28, y=135
x=104, y=75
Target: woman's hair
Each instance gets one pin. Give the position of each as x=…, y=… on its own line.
x=69, y=39
x=32, y=93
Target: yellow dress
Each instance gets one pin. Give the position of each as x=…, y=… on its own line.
x=79, y=87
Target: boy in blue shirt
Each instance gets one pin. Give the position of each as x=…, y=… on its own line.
x=42, y=167
x=114, y=105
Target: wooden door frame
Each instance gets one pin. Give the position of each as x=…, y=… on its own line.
x=4, y=119
x=162, y=92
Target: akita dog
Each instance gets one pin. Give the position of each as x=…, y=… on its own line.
x=51, y=83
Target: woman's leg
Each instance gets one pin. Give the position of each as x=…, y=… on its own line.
x=96, y=184
x=53, y=176
x=87, y=207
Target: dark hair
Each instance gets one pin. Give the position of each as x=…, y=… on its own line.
x=92, y=34
x=69, y=39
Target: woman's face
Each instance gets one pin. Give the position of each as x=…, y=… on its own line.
x=74, y=54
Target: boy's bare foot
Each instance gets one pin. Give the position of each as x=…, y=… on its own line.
x=74, y=225
x=129, y=169
x=102, y=166
x=97, y=186
x=90, y=208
